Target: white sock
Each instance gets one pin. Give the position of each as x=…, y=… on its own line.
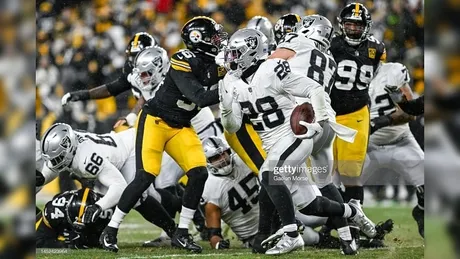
x=186, y=216
x=117, y=218
x=347, y=212
x=344, y=233
x=290, y=228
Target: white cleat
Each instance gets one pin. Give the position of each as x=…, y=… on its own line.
x=286, y=245
x=365, y=224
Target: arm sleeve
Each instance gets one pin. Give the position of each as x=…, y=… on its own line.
x=111, y=178
x=450, y=102
x=193, y=90
x=415, y=107
x=119, y=85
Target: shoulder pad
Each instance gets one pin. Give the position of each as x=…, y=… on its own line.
x=183, y=60
x=397, y=74
x=296, y=42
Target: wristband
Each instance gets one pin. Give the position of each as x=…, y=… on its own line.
x=81, y=95
x=131, y=119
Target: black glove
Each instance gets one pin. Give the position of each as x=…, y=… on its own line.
x=92, y=213
x=380, y=122
x=223, y=244
x=74, y=240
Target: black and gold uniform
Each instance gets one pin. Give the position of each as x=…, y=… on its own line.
x=164, y=125
x=357, y=55
x=56, y=227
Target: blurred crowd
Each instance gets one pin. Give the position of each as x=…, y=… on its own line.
x=81, y=44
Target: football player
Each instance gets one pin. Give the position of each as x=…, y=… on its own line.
x=263, y=24
x=307, y=51
x=271, y=86
x=391, y=142
x=107, y=159
x=137, y=43
x=357, y=54
x=58, y=227
x=164, y=125
x=285, y=25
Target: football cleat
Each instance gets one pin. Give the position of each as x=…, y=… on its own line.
x=348, y=247
x=286, y=245
x=185, y=242
x=419, y=216
x=108, y=239
x=257, y=247
x=383, y=228
x=364, y=223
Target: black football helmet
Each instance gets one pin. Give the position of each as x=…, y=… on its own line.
x=285, y=25
x=355, y=23
x=203, y=35
x=138, y=42
x=77, y=202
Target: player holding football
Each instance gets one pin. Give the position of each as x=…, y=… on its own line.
x=357, y=54
x=164, y=125
x=391, y=142
x=270, y=87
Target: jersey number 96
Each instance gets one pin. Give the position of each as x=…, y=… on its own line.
x=93, y=168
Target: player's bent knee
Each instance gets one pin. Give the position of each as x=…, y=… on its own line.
x=143, y=179
x=198, y=174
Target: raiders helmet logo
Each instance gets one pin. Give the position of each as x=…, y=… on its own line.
x=157, y=61
x=252, y=42
x=195, y=36
x=308, y=22
x=65, y=142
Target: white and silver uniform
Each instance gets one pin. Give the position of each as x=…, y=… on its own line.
x=236, y=196
x=271, y=91
x=391, y=147
x=204, y=124
x=39, y=162
x=321, y=67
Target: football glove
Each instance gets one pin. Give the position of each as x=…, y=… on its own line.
x=395, y=94
x=74, y=240
x=223, y=244
x=380, y=122
x=92, y=213
x=313, y=129
x=75, y=96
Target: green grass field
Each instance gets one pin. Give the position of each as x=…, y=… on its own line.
x=403, y=243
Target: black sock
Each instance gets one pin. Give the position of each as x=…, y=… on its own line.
x=134, y=190
x=153, y=212
x=196, y=179
x=266, y=210
x=172, y=203
x=354, y=192
x=331, y=192
x=281, y=198
x=292, y=233
x=420, y=191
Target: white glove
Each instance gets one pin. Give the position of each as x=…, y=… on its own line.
x=395, y=94
x=226, y=95
x=65, y=99
x=313, y=129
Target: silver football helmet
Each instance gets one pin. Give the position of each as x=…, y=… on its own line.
x=262, y=24
x=316, y=27
x=245, y=48
x=58, y=146
x=150, y=67
x=218, y=156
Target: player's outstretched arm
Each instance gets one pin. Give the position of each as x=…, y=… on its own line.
x=193, y=90
x=213, y=224
x=111, y=178
x=230, y=110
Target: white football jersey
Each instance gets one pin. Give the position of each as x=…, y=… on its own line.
x=95, y=150
x=394, y=74
x=237, y=197
x=39, y=162
x=268, y=99
x=312, y=62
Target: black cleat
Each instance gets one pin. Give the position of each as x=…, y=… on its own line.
x=419, y=216
x=108, y=239
x=348, y=247
x=326, y=241
x=257, y=247
x=383, y=228
x=185, y=242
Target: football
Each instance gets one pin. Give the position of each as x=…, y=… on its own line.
x=303, y=112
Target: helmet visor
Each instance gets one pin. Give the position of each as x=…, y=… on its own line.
x=354, y=29
x=220, y=160
x=233, y=56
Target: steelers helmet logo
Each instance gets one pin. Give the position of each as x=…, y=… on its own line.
x=195, y=36
x=279, y=24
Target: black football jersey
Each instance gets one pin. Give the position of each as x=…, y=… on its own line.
x=185, y=88
x=356, y=66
